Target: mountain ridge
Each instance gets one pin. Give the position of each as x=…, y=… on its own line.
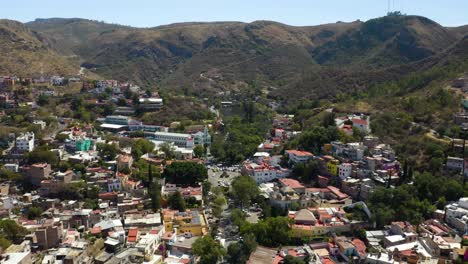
x=207, y=57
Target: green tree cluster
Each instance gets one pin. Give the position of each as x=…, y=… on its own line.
x=186, y=173
x=208, y=250
x=414, y=202
x=141, y=146
x=244, y=190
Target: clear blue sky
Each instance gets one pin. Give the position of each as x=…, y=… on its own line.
x=148, y=13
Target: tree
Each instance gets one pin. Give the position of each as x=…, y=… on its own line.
x=240, y=252
x=237, y=217
x=168, y=150
x=218, y=204
x=176, y=201
x=34, y=213
x=208, y=250
x=42, y=100
x=292, y=260
x=62, y=137
x=186, y=173
x=244, y=189
x=155, y=196
x=12, y=231
x=38, y=156
x=141, y=146
x=271, y=232
x=107, y=151
x=199, y=151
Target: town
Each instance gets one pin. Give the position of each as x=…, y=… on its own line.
x=91, y=181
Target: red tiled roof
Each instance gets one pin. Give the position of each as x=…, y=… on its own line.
x=133, y=232
x=291, y=183
x=359, y=121
x=299, y=152
x=96, y=230
x=337, y=192
x=360, y=246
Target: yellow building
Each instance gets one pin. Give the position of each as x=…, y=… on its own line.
x=332, y=166
x=191, y=221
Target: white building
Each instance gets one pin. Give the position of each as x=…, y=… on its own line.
x=149, y=243
x=25, y=142
x=264, y=172
x=344, y=170
x=179, y=139
x=297, y=156
x=151, y=103
x=457, y=214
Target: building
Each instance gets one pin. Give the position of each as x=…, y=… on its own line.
x=202, y=137
x=151, y=103
x=456, y=215
x=48, y=233
x=293, y=184
x=149, y=243
x=179, y=139
x=83, y=144
x=264, y=171
x=124, y=161
x=454, y=163
x=191, y=221
x=25, y=142
x=344, y=170
x=332, y=166
x=297, y=156
x=38, y=172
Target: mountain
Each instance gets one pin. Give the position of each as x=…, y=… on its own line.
x=66, y=35
x=292, y=62
x=387, y=41
x=24, y=52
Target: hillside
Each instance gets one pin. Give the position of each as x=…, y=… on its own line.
x=386, y=41
x=24, y=52
x=67, y=35
x=296, y=62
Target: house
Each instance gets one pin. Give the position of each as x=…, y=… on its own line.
x=293, y=184
x=344, y=170
x=297, y=156
x=332, y=166
x=124, y=161
x=149, y=243
x=25, y=142
x=456, y=214
x=48, y=233
x=190, y=221
x=17, y=254
x=38, y=172
x=264, y=171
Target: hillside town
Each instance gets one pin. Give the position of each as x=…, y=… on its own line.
x=120, y=190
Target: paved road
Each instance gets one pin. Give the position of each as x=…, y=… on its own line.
x=214, y=177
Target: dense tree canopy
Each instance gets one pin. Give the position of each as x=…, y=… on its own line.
x=141, y=146
x=415, y=202
x=208, y=250
x=187, y=173
x=244, y=190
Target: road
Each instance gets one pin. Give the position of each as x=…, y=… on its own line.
x=214, y=177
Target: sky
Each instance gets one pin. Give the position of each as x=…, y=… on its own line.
x=150, y=13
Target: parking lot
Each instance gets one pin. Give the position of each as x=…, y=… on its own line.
x=222, y=176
